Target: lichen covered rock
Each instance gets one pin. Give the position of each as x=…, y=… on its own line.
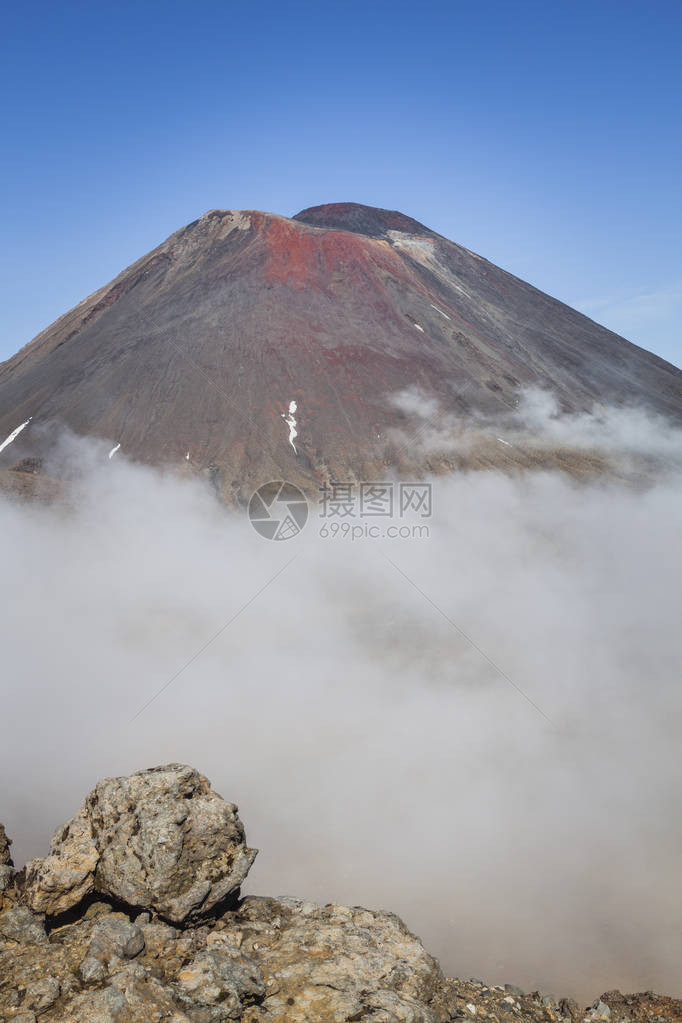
x=262, y=961
x=159, y=839
x=6, y=864
x=336, y=963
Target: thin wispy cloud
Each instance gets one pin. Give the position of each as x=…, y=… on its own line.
x=641, y=316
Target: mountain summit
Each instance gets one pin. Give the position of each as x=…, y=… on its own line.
x=254, y=347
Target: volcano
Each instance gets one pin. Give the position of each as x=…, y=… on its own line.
x=254, y=347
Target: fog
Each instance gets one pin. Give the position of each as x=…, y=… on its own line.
x=478, y=729
x=633, y=439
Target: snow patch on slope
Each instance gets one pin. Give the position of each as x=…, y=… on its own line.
x=290, y=419
x=14, y=434
x=439, y=311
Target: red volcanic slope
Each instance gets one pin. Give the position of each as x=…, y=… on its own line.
x=201, y=345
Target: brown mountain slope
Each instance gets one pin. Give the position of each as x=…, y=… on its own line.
x=199, y=348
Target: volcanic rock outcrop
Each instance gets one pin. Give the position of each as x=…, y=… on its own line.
x=196, y=354
x=6, y=864
x=161, y=839
x=149, y=870
x=135, y=917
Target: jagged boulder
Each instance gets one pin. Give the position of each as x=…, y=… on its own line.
x=6, y=864
x=336, y=963
x=22, y=926
x=159, y=839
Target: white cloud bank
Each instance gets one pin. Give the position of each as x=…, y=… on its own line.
x=376, y=756
x=632, y=439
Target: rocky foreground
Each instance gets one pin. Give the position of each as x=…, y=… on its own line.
x=135, y=916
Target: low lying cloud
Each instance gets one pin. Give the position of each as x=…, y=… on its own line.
x=632, y=439
x=478, y=730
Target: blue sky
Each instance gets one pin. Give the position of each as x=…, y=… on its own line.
x=545, y=136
